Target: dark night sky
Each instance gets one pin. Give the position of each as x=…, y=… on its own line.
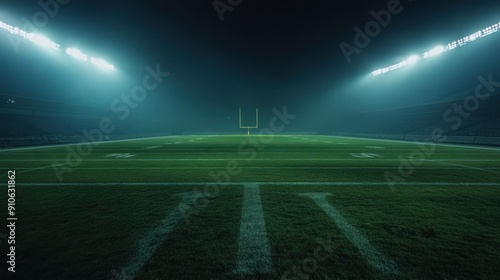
x=264, y=53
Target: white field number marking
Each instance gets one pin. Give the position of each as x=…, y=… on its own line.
x=365, y=155
x=151, y=147
x=375, y=147
x=123, y=155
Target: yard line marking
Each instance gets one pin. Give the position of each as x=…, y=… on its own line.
x=414, y=142
x=209, y=136
x=151, y=147
x=261, y=167
x=246, y=159
x=39, y=168
x=465, y=166
x=80, y=142
x=147, y=245
x=374, y=257
x=254, y=253
x=120, y=155
x=132, y=184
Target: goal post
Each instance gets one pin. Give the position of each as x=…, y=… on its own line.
x=256, y=121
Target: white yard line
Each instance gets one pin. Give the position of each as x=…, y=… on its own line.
x=464, y=166
x=261, y=167
x=74, y=144
x=147, y=245
x=381, y=262
x=246, y=159
x=26, y=170
x=133, y=184
x=254, y=253
x=151, y=147
x=173, y=136
x=414, y=142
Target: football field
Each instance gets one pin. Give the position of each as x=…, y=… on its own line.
x=252, y=207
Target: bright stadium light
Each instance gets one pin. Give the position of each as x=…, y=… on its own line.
x=43, y=41
x=436, y=51
x=76, y=54
x=14, y=30
x=101, y=63
x=441, y=49
x=46, y=42
x=413, y=59
x=390, y=68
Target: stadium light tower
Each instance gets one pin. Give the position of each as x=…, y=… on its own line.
x=256, y=121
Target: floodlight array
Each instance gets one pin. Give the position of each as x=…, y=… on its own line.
x=14, y=30
x=413, y=59
x=101, y=63
x=77, y=54
x=440, y=49
x=42, y=41
x=47, y=43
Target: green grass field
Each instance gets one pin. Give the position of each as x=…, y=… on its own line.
x=239, y=207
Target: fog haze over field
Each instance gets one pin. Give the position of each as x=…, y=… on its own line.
x=262, y=54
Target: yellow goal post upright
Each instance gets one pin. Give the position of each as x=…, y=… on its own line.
x=256, y=121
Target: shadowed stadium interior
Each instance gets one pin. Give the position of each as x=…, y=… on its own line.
x=250, y=140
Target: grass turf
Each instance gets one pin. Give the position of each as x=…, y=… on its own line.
x=439, y=221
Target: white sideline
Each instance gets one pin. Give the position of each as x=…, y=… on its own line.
x=254, y=253
x=147, y=245
x=374, y=257
x=74, y=144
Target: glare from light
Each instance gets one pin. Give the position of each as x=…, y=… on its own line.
x=76, y=54
x=413, y=59
x=42, y=41
x=102, y=63
x=436, y=51
x=439, y=50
